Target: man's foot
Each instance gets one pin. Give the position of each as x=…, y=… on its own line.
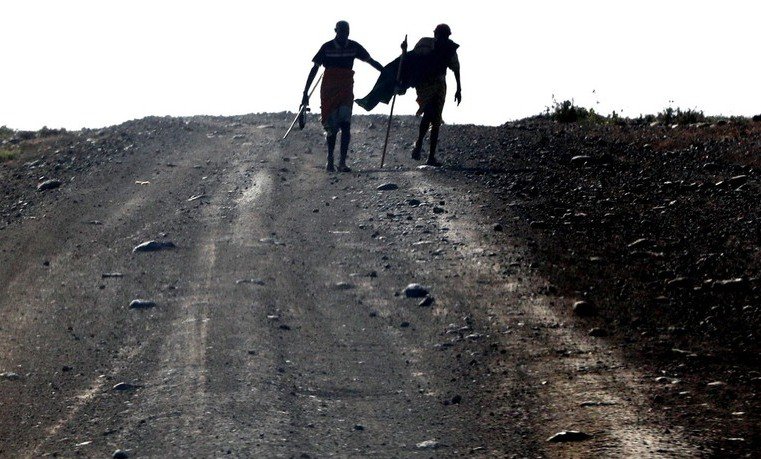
x=343, y=168
x=432, y=162
x=416, y=153
x=329, y=167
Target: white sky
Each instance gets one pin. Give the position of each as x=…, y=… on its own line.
x=80, y=63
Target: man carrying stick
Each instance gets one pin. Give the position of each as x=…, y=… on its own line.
x=337, y=90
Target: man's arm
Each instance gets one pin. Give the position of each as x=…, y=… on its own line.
x=455, y=66
x=374, y=63
x=310, y=78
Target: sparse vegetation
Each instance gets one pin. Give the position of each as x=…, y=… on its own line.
x=6, y=155
x=5, y=133
x=672, y=115
x=568, y=112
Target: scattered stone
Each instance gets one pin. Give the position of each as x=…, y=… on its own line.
x=415, y=291
x=716, y=384
x=580, y=160
x=738, y=180
x=10, y=376
x=497, y=227
x=428, y=444
x=343, y=286
x=569, y=435
x=679, y=283
x=427, y=301
x=438, y=210
x=584, y=308
x=122, y=386
x=284, y=327
x=413, y=202
x=359, y=427
x=141, y=304
x=456, y=399
x=49, y=185
x=598, y=332
x=120, y=454
x=404, y=324
x=730, y=285
x=538, y=224
x=641, y=242
x=594, y=403
x=111, y=275
x=387, y=187
x=250, y=281
x=195, y=197
x=152, y=246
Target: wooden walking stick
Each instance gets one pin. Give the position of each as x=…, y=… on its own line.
x=393, y=100
x=302, y=111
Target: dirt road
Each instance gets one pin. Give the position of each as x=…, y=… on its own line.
x=280, y=326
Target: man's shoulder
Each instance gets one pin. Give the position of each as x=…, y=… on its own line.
x=354, y=44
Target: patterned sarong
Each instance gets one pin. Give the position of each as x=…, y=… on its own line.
x=336, y=97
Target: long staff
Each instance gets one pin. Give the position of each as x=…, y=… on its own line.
x=393, y=100
x=303, y=107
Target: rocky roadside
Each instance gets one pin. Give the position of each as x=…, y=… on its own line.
x=652, y=233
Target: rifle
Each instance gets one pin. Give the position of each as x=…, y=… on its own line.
x=303, y=109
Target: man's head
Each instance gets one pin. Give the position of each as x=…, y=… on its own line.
x=442, y=31
x=342, y=31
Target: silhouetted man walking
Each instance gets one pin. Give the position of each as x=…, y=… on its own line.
x=337, y=90
x=439, y=54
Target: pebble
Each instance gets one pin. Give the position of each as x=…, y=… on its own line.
x=141, y=304
x=387, y=187
x=123, y=386
x=49, y=185
x=120, y=454
x=598, y=332
x=415, y=291
x=427, y=301
x=498, y=228
x=438, y=210
x=584, y=308
x=639, y=243
x=593, y=403
x=343, y=286
x=109, y=275
x=538, y=224
x=10, y=376
x=428, y=444
x=569, y=435
x=152, y=246
x=679, y=282
x=250, y=281
x=580, y=159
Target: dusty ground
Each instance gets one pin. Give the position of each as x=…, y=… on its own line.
x=280, y=327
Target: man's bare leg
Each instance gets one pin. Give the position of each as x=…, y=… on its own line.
x=434, y=142
x=345, y=139
x=331, y=139
x=425, y=124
